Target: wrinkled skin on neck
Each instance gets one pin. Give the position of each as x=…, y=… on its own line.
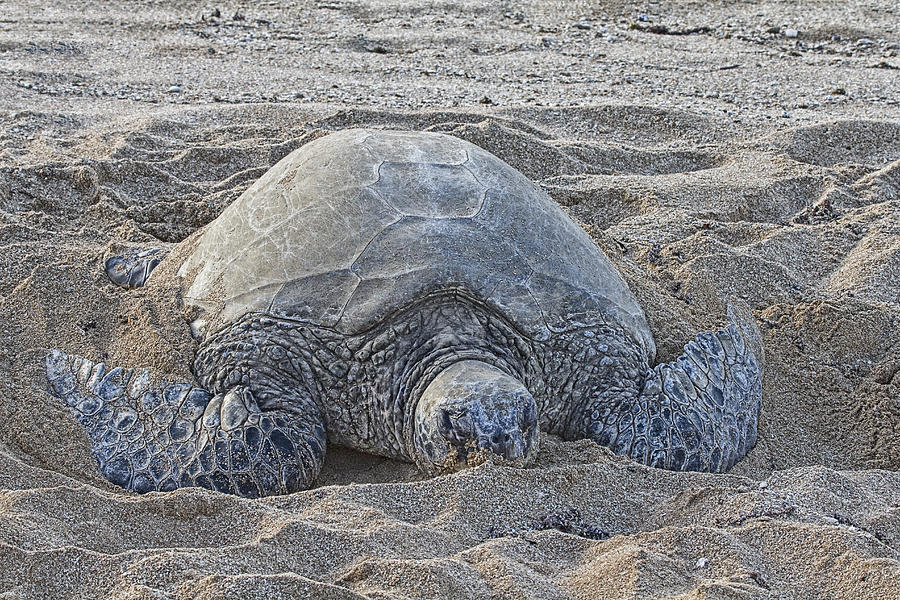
x=371, y=387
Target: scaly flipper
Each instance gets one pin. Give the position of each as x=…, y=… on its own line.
x=134, y=270
x=177, y=435
x=697, y=413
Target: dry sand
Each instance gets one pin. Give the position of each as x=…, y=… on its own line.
x=707, y=150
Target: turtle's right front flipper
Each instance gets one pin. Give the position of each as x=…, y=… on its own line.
x=132, y=271
x=148, y=439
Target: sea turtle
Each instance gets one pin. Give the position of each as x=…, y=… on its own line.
x=409, y=295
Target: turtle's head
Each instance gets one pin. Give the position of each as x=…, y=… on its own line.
x=473, y=412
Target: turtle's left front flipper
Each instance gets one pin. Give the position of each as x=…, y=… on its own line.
x=177, y=435
x=698, y=412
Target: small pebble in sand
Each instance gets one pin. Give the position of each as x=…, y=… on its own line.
x=174, y=89
x=791, y=33
x=702, y=563
x=763, y=485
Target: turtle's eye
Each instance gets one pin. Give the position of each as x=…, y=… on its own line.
x=445, y=422
x=454, y=427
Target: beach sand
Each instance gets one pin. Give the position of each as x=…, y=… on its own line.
x=731, y=152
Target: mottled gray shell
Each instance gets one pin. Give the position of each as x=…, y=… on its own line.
x=361, y=222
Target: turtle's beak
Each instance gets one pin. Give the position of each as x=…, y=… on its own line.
x=474, y=412
x=503, y=433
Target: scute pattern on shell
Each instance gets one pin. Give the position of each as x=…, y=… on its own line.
x=359, y=223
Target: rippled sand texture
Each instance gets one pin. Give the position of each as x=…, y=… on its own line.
x=702, y=181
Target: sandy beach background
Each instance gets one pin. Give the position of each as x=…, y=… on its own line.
x=713, y=151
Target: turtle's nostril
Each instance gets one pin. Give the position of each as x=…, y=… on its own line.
x=495, y=438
